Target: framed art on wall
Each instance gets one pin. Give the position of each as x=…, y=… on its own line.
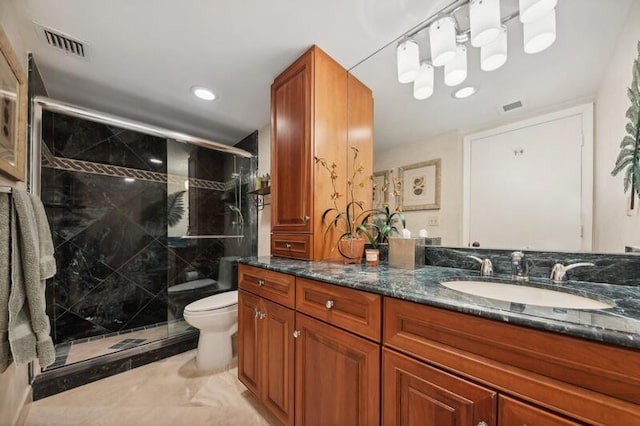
x=380, y=189
x=13, y=112
x=421, y=186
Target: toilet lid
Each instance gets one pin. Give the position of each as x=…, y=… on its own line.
x=217, y=301
x=191, y=285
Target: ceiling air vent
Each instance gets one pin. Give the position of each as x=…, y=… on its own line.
x=63, y=42
x=512, y=106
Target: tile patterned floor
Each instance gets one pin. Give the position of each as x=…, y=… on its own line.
x=168, y=392
x=70, y=353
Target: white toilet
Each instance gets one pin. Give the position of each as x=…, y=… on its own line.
x=217, y=319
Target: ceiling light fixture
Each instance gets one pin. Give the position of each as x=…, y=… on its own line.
x=203, y=93
x=449, y=44
x=484, y=16
x=423, y=84
x=455, y=72
x=532, y=10
x=442, y=37
x=129, y=180
x=408, y=57
x=540, y=34
x=155, y=161
x=494, y=54
x=464, y=92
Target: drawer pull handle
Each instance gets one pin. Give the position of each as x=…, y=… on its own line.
x=306, y=219
x=256, y=313
x=296, y=334
x=329, y=304
x=482, y=423
x=287, y=245
x=260, y=283
x=262, y=315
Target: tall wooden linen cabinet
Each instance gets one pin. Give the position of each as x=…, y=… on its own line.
x=318, y=110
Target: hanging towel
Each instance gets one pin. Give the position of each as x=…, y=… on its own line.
x=47, y=261
x=29, y=329
x=5, y=281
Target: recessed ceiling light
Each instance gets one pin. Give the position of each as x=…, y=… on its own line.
x=465, y=92
x=129, y=180
x=155, y=161
x=203, y=93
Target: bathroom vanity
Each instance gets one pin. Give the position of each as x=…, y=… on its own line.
x=323, y=343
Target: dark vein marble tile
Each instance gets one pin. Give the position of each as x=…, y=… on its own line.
x=148, y=268
x=70, y=326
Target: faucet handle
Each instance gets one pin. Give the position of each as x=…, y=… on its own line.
x=517, y=256
x=559, y=271
x=486, y=267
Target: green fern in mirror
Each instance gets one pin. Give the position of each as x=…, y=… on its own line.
x=175, y=208
x=630, y=146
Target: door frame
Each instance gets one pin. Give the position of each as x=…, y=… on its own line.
x=585, y=111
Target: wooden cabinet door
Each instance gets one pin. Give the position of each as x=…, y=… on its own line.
x=249, y=341
x=291, y=97
x=278, y=350
x=414, y=393
x=512, y=412
x=337, y=376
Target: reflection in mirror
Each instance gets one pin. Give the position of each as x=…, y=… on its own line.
x=587, y=69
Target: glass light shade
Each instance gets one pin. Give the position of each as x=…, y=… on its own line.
x=494, y=54
x=532, y=10
x=485, y=21
x=408, y=57
x=423, y=84
x=455, y=71
x=442, y=39
x=540, y=34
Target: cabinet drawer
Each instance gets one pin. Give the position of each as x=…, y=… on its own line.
x=271, y=285
x=296, y=246
x=353, y=310
x=512, y=412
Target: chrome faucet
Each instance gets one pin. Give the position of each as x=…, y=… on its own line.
x=519, y=267
x=559, y=271
x=486, y=268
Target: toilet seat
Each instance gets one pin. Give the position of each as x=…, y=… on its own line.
x=218, y=302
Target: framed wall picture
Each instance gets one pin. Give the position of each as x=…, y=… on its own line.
x=421, y=186
x=13, y=112
x=380, y=189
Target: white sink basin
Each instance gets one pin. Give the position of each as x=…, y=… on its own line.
x=525, y=294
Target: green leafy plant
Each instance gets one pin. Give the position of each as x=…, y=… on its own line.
x=345, y=220
x=630, y=146
x=379, y=224
x=175, y=207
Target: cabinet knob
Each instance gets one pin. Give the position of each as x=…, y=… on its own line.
x=256, y=313
x=482, y=423
x=260, y=283
x=287, y=245
x=306, y=219
x=296, y=334
x=262, y=315
x=329, y=304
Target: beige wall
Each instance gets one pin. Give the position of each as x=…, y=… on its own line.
x=264, y=216
x=447, y=147
x=614, y=226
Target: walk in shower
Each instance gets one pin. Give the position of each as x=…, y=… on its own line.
x=142, y=225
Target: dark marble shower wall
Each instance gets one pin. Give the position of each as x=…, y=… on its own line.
x=115, y=261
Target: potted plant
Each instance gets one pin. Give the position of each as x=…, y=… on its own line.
x=378, y=225
x=345, y=220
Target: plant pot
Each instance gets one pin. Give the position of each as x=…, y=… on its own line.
x=372, y=256
x=351, y=249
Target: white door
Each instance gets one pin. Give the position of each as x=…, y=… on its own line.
x=525, y=186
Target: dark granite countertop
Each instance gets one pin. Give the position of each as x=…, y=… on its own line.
x=619, y=325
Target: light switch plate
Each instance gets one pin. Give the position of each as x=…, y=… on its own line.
x=433, y=221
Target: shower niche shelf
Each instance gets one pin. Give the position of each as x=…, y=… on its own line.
x=263, y=197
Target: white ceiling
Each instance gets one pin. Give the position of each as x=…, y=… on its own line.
x=145, y=55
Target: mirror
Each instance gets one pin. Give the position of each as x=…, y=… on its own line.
x=589, y=63
x=13, y=112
